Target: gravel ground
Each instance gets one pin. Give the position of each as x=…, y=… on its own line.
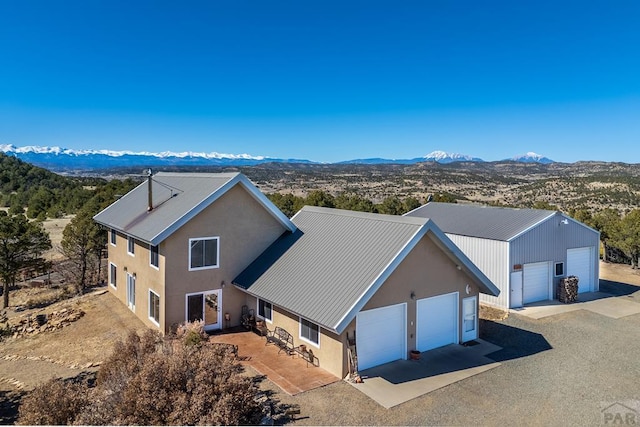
x=555, y=371
x=558, y=370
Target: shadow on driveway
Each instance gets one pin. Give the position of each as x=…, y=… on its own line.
x=515, y=342
x=397, y=382
x=617, y=289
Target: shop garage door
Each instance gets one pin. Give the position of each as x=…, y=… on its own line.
x=579, y=264
x=381, y=335
x=437, y=321
x=535, y=282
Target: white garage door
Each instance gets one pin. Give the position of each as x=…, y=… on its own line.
x=579, y=264
x=535, y=286
x=437, y=321
x=381, y=335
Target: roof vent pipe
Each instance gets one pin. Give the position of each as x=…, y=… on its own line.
x=150, y=191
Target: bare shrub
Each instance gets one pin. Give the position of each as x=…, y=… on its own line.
x=192, y=333
x=153, y=381
x=54, y=403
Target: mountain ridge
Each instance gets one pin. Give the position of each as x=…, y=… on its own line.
x=59, y=158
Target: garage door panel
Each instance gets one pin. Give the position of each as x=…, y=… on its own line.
x=536, y=281
x=579, y=264
x=437, y=323
x=381, y=335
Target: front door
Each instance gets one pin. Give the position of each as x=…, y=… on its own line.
x=469, y=319
x=131, y=291
x=205, y=306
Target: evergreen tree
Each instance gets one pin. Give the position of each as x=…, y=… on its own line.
x=22, y=244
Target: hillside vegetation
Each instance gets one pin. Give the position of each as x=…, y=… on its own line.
x=568, y=186
x=45, y=194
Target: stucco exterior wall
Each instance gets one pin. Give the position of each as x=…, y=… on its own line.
x=147, y=277
x=426, y=271
x=245, y=229
x=331, y=352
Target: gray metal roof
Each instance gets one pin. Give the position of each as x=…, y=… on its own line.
x=329, y=268
x=487, y=222
x=177, y=197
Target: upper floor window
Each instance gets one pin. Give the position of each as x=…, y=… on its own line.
x=112, y=237
x=131, y=245
x=203, y=253
x=154, y=258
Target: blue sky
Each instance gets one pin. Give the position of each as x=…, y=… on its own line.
x=324, y=80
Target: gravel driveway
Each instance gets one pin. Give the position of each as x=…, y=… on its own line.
x=561, y=370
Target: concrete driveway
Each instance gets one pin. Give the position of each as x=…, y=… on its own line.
x=602, y=303
x=397, y=382
x=560, y=370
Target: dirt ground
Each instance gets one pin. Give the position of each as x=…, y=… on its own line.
x=81, y=346
x=64, y=353
x=55, y=227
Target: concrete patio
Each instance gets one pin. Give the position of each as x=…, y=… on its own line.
x=397, y=382
x=291, y=373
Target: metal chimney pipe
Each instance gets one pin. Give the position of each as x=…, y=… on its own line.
x=150, y=191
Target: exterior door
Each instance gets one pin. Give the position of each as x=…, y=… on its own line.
x=579, y=264
x=437, y=321
x=131, y=292
x=381, y=335
x=516, y=290
x=469, y=319
x=205, y=306
x=536, y=282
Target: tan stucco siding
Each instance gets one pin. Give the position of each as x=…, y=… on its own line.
x=147, y=277
x=330, y=349
x=426, y=271
x=245, y=229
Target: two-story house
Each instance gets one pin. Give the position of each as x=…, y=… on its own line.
x=186, y=246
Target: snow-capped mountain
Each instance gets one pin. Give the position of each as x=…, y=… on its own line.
x=60, y=159
x=531, y=157
x=444, y=157
x=64, y=159
x=434, y=156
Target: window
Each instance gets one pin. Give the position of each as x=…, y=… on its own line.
x=264, y=310
x=154, y=307
x=112, y=237
x=112, y=275
x=154, y=259
x=131, y=245
x=559, y=269
x=203, y=253
x=309, y=331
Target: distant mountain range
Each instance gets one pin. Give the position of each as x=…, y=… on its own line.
x=63, y=159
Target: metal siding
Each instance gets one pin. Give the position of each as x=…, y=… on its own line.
x=491, y=257
x=550, y=240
